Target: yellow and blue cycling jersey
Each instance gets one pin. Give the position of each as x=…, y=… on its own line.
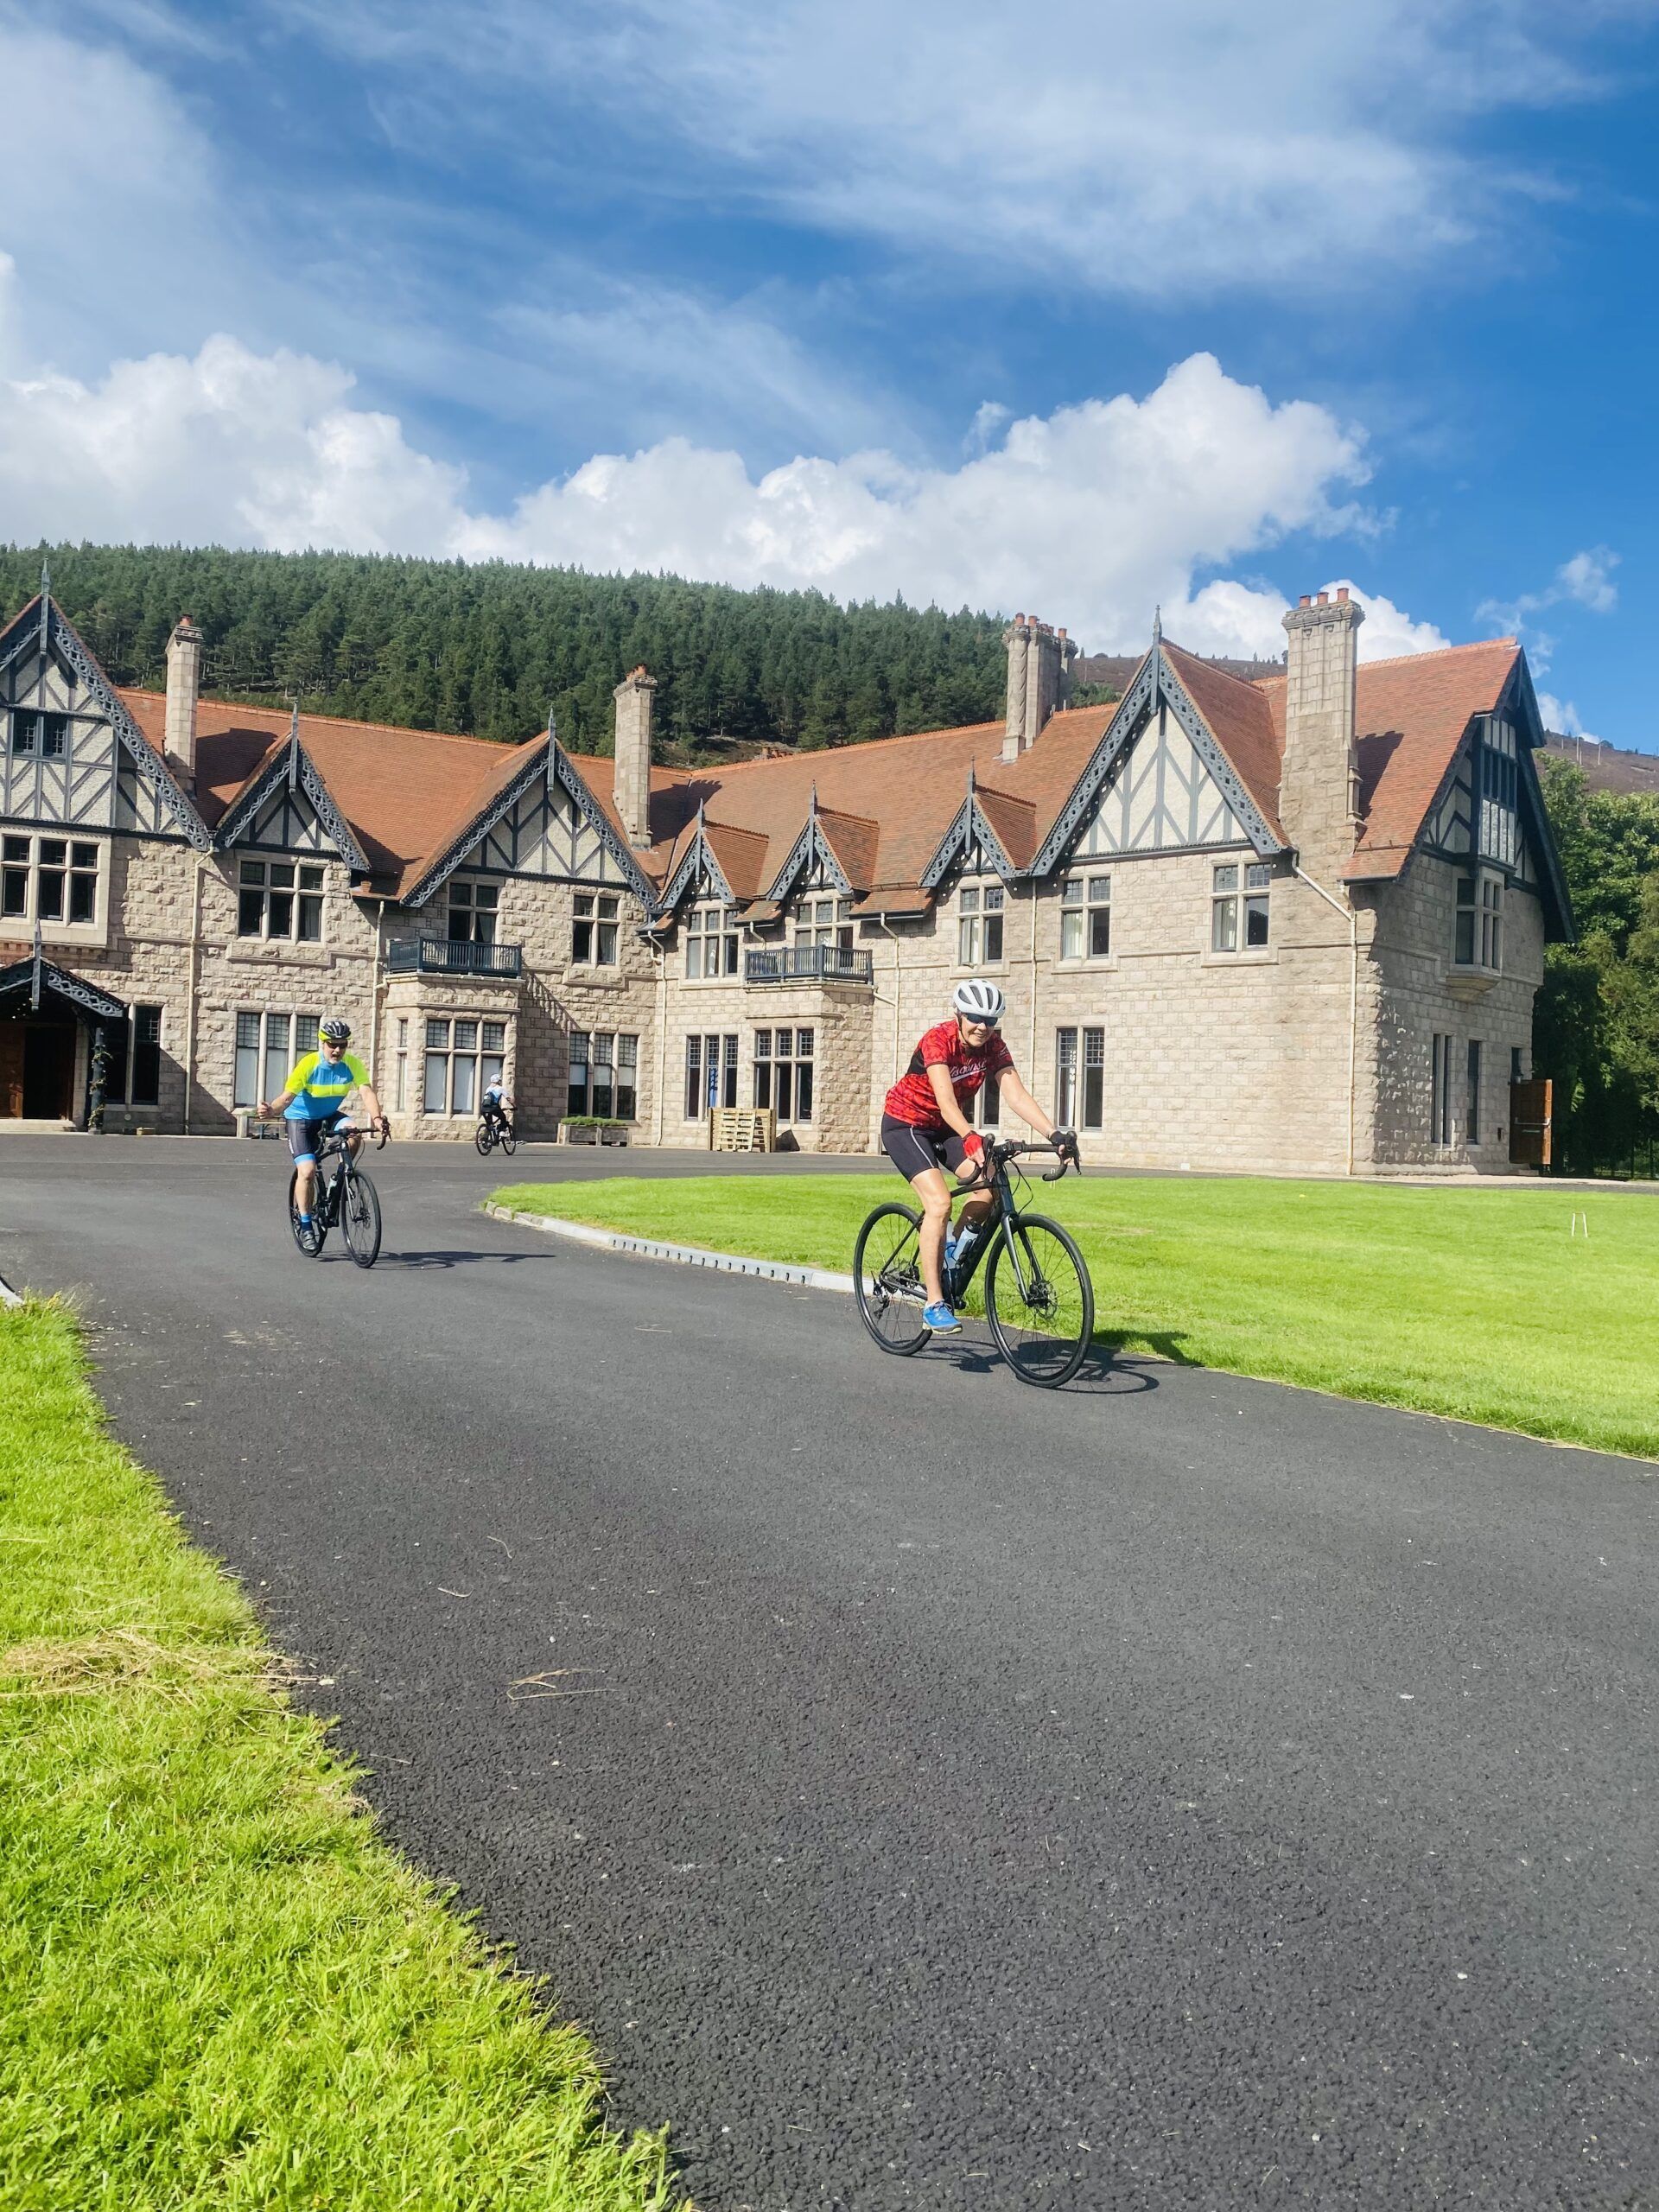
x=320, y=1090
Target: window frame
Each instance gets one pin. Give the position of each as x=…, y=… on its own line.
x=1238, y=907
x=1478, y=920
x=1086, y=902
x=1080, y=1076
x=592, y=929
x=1440, y=1091
x=473, y=910
x=462, y=1051
x=1471, y=1091
x=26, y=875
x=704, y=1070
x=272, y=1060
x=784, y=1072
x=303, y=894
x=711, y=922
x=47, y=731
x=982, y=912
x=823, y=919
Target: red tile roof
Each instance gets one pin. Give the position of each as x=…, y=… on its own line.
x=884, y=806
x=1409, y=716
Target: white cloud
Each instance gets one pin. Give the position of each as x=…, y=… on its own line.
x=1197, y=146
x=1245, y=621
x=1563, y=715
x=1091, y=514
x=1585, y=581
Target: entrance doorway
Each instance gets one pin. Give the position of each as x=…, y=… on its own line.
x=37, y=1070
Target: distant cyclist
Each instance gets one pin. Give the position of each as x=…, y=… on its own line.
x=497, y=1103
x=925, y=1129
x=312, y=1102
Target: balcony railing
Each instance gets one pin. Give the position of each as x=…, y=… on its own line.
x=441, y=956
x=809, y=963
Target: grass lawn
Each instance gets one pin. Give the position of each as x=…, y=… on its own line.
x=220, y=1988
x=1475, y=1303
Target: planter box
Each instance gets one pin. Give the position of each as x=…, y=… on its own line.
x=593, y=1133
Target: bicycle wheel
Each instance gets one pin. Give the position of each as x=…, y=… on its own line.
x=1040, y=1301
x=359, y=1218
x=888, y=1269
x=483, y=1137
x=508, y=1140
x=310, y=1248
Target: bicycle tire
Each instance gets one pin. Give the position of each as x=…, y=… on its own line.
x=318, y=1231
x=483, y=1137
x=359, y=1219
x=508, y=1141
x=890, y=1292
x=1049, y=1353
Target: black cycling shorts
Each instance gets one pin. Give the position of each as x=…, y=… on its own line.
x=913, y=1151
x=304, y=1137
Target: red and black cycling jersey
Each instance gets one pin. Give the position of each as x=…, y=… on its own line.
x=912, y=1099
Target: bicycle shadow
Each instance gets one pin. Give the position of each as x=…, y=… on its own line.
x=419, y=1259
x=1107, y=1370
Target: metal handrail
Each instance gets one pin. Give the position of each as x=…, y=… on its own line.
x=438, y=956
x=809, y=963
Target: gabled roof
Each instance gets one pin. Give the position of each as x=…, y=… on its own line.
x=1409, y=718
x=42, y=624
x=287, y=761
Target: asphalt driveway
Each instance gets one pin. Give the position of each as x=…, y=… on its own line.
x=1174, y=1792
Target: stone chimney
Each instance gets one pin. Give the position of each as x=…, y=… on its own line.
x=635, y=697
x=1039, y=680
x=183, y=690
x=1318, y=785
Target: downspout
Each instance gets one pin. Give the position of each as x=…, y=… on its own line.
x=374, y=999
x=190, y=1008
x=1032, y=1061
x=1351, y=918
x=659, y=954
x=892, y=933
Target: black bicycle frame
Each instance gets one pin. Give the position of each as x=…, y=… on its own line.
x=1003, y=1220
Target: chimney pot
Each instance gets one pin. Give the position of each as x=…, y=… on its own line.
x=1323, y=599
x=1342, y=594
x=1305, y=601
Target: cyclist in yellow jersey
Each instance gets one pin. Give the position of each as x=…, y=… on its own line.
x=312, y=1101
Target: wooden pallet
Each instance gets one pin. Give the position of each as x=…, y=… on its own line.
x=742, y=1129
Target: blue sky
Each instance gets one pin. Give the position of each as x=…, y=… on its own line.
x=1204, y=306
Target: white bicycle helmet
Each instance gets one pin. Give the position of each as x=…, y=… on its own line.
x=979, y=1001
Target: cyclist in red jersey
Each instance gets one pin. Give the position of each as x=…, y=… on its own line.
x=925, y=1128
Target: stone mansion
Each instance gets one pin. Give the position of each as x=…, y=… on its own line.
x=1295, y=924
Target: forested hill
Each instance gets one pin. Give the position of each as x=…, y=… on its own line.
x=439, y=645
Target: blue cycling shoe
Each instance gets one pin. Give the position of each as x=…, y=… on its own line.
x=941, y=1320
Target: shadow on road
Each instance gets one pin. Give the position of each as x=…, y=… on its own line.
x=460, y=1259
x=1104, y=1372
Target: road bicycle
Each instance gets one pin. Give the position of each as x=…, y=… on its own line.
x=346, y=1200
x=1038, y=1298
x=491, y=1132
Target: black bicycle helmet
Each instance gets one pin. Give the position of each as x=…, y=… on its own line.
x=335, y=1032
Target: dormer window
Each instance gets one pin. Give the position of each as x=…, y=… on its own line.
x=979, y=925
x=1478, y=935
x=825, y=922
x=279, y=898
x=472, y=912
x=710, y=944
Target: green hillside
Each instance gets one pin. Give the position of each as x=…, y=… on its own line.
x=440, y=644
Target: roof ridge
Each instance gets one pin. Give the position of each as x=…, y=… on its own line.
x=1405, y=660
x=350, y=722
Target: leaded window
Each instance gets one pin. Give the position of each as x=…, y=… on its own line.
x=596, y=928
x=473, y=911
x=40, y=736
x=267, y=1047
x=48, y=879
x=979, y=924
x=1086, y=917
x=1238, y=906
x=279, y=898
x=710, y=943
x=784, y=1072
x=604, y=1075
x=463, y=1054
x=711, y=1073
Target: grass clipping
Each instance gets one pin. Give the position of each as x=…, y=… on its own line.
x=220, y=1988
